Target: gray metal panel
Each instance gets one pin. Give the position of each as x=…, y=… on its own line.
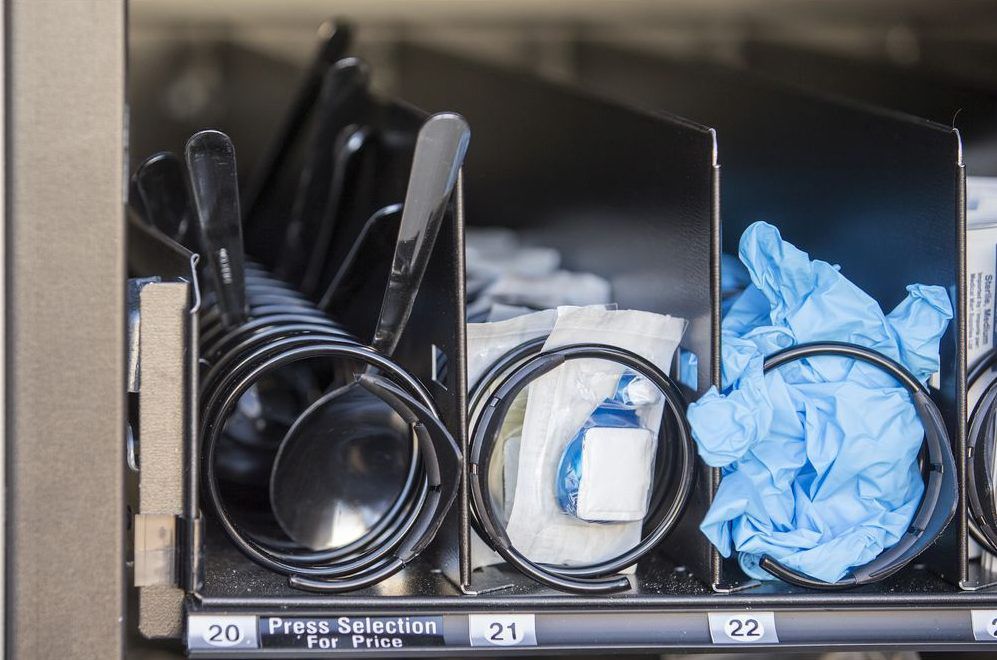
x=65, y=323
x=3, y=336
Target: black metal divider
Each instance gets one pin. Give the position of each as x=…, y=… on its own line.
x=628, y=195
x=970, y=109
x=877, y=192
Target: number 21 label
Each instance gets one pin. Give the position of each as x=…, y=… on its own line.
x=502, y=629
x=743, y=628
x=985, y=625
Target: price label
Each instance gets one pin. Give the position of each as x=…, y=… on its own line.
x=219, y=631
x=985, y=625
x=743, y=628
x=502, y=629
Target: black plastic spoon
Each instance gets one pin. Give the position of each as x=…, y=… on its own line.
x=344, y=102
x=348, y=428
x=334, y=40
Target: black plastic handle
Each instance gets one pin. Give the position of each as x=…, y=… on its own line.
x=334, y=40
x=162, y=186
x=439, y=153
x=344, y=101
x=212, y=168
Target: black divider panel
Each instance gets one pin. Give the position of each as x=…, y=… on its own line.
x=879, y=193
x=971, y=109
x=628, y=195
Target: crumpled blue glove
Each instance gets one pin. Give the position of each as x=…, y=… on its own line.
x=819, y=457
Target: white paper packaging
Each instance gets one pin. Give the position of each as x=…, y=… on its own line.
x=558, y=404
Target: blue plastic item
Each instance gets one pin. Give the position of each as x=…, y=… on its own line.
x=618, y=411
x=819, y=458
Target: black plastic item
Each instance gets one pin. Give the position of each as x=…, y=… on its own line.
x=161, y=185
x=941, y=492
x=264, y=348
x=383, y=551
x=439, y=154
x=628, y=195
x=334, y=40
x=212, y=168
x=435, y=326
x=374, y=244
x=980, y=449
x=351, y=145
x=344, y=101
x=846, y=181
x=312, y=439
x=515, y=372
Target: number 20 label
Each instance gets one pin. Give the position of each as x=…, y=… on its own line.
x=502, y=629
x=743, y=628
x=208, y=631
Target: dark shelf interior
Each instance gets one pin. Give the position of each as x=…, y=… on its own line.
x=233, y=581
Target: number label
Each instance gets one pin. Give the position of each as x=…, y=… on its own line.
x=221, y=632
x=985, y=625
x=743, y=628
x=502, y=629
x=227, y=635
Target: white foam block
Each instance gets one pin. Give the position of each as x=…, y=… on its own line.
x=617, y=466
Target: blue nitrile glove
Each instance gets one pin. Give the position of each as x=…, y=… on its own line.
x=734, y=279
x=819, y=456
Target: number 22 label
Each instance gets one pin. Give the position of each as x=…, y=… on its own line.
x=743, y=628
x=502, y=629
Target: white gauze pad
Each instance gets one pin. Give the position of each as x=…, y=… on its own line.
x=617, y=466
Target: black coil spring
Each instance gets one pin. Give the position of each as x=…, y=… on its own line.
x=289, y=342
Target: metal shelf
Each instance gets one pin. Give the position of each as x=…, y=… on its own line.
x=272, y=633
x=668, y=610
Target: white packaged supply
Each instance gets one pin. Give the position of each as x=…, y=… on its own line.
x=981, y=265
x=486, y=343
x=551, y=290
x=981, y=285
x=558, y=404
x=617, y=469
x=542, y=292
x=493, y=252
